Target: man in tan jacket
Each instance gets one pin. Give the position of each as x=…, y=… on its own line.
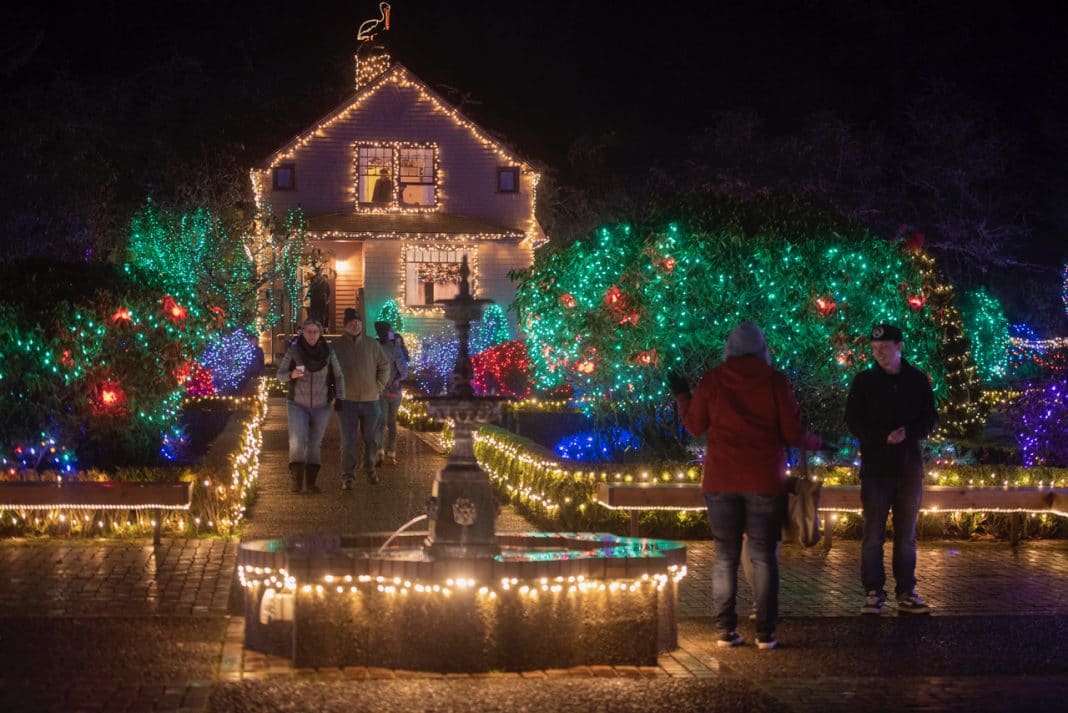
x=366, y=371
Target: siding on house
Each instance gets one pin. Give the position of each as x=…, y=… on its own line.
x=398, y=108
x=383, y=267
x=467, y=169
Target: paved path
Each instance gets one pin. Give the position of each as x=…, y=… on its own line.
x=120, y=625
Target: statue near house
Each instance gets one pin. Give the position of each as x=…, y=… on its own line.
x=319, y=297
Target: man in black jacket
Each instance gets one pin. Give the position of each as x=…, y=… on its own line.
x=890, y=410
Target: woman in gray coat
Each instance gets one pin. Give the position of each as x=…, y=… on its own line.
x=313, y=374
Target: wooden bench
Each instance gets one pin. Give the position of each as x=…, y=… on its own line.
x=843, y=498
x=108, y=495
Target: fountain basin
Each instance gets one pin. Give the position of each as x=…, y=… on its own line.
x=545, y=600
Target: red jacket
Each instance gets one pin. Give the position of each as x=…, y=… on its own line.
x=750, y=414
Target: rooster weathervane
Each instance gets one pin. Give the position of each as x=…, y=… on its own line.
x=369, y=28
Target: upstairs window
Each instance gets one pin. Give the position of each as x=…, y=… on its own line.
x=284, y=177
x=375, y=176
x=396, y=176
x=416, y=176
x=508, y=179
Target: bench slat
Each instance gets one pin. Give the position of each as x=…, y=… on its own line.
x=105, y=495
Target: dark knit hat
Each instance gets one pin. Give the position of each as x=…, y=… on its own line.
x=885, y=333
x=350, y=314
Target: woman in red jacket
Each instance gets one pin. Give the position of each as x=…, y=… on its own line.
x=749, y=412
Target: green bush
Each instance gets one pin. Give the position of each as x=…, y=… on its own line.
x=95, y=365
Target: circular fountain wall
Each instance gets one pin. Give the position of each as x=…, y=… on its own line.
x=543, y=601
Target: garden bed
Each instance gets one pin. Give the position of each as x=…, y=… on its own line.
x=222, y=480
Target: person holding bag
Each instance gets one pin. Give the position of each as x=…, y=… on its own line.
x=750, y=414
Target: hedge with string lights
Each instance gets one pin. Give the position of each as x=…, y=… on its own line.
x=612, y=315
x=559, y=494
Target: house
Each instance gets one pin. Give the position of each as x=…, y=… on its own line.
x=397, y=186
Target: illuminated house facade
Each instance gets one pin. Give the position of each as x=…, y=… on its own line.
x=396, y=186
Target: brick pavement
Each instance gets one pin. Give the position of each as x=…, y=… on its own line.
x=166, y=609
x=109, y=577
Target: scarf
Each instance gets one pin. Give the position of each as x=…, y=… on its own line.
x=313, y=358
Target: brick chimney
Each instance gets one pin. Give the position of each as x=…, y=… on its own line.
x=372, y=59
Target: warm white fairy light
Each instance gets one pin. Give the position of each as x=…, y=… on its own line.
x=398, y=77
x=1040, y=345
x=254, y=577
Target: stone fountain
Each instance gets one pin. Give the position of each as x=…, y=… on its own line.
x=461, y=597
x=462, y=507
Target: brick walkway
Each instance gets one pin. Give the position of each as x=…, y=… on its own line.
x=109, y=578
x=119, y=625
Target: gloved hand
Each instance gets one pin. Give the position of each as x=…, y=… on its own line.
x=678, y=383
x=337, y=405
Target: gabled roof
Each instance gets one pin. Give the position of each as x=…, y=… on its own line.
x=399, y=74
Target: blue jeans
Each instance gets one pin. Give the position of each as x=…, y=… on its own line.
x=879, y=496
x=760, y=517
x=387, y=423
x=362, y=417
x=306, y=429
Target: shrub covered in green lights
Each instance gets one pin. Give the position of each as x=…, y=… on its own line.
x=612, y=315
x=194, y=255
x=987, y=328
x=92, y=360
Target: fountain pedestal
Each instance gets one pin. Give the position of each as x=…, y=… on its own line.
x=462, y=506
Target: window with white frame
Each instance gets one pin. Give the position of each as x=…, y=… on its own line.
x=432, y=274
x=415, y=176
x=395, y=176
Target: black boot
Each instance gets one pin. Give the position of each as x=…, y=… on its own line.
x=296, y=472
x=311, y=472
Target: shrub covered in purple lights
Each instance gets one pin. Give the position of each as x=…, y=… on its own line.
x=1041, y=422
x=231, y=358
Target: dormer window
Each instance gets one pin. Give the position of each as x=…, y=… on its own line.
x=284, y=177
x=396, y=177
x=508, y=179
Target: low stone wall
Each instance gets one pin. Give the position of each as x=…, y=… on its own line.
x=469, y=632
x=567, y=600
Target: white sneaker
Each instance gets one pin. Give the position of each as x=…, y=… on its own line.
x=873, y=603
x=910, y=603
x=729, y=638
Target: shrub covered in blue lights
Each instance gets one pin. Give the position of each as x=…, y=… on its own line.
x=597, y=445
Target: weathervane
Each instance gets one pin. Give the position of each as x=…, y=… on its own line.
x=369, y=28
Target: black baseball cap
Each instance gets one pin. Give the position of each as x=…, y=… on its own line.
x=886, y=333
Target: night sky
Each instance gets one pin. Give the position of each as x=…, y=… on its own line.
x=238, y=79
x=547, y=72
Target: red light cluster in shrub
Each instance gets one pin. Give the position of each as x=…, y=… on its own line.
x=200, y=383
x=503, y=369
x=108, y=398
